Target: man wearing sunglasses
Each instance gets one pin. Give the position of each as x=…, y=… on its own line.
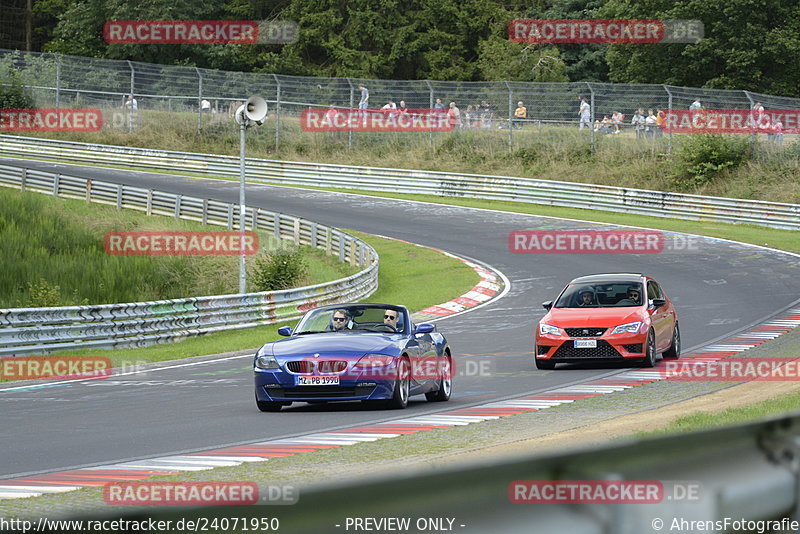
x=633, y=295
x=339, y=320
x=391, y=317
x=632, y=298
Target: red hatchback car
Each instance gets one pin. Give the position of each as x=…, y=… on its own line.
x=608, y=317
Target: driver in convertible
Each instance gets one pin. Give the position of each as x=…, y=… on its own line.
x=390, y=317
x=339, y=321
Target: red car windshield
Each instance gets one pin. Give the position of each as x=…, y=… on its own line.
x=601, y=295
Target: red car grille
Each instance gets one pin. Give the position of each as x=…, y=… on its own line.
x=604, y=351
x=586, y=331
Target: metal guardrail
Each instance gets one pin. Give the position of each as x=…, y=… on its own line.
x=43, y=330
x=528, y=190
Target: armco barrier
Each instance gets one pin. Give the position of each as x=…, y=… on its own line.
x=43, y=330
x=552, y=193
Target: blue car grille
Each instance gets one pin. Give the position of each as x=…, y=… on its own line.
x=312, y=392
x=318, y=366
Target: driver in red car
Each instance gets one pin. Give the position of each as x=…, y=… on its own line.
x=586, y=298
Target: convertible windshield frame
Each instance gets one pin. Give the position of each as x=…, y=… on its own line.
x=361, y=318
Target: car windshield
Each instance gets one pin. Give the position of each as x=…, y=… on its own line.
x=353, y=318
x=601, y=295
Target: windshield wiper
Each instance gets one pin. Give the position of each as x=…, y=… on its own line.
x=311, y=332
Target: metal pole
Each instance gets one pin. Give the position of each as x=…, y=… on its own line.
x=350, y=130
x=591, y=117
x=278, y=112
x=130, y=108
x=669, y=134
x=510, y=115
x=199, y=102
x=430, y=108
x=242, y=272
x=58, y=81
x=754, y=133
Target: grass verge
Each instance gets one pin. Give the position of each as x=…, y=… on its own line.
x=53, y=255
x=414, y=276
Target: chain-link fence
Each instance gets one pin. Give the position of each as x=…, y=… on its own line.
x=487, y=109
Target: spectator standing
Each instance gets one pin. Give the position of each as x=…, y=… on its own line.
x=777, y=131
x=650, y=124
x=439, y=104
x=520, y=114
x=205, y=106
x=363, y=102
x=696, y=105
x=454, y=116
x=487, y=114
x=133, y=111
x=585, y=113
x=469, y=116
x=637, y=122
x=661, y=120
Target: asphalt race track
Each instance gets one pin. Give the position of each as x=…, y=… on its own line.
x=718, y=289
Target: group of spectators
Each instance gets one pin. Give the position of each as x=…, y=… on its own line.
x=651, y=124
x=645, y=125
x=475, y=116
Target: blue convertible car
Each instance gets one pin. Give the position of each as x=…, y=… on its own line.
x=367, y=352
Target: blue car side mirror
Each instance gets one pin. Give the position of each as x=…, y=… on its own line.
x=285, y=331
x=424, y=328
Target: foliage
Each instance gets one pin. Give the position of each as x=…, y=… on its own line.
x=282, y=269
x=746, y=45
x=13, y=94
x=44, y=295
x=502, y=59
x=703, y=156
x=582, y=62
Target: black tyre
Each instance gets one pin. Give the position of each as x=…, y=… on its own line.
x=674, y=350
x=402, y=384
x=650, y=351
x=267, y=406
x=545, y=365
x=445, y=384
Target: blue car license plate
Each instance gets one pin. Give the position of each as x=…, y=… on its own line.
x=318, y=380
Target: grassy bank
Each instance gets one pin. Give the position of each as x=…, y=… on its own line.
x=53, y=255
x=744, y=170
x=413, y=276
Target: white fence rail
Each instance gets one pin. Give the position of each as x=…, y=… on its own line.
x=547, y=192
x=43, y=330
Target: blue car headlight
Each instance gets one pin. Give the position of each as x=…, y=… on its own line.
x=545, y=329
x=628, y=328
x=266, y=361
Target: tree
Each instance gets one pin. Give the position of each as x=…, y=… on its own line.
x=582, y=62
x=501, y=59
x=746, y=46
